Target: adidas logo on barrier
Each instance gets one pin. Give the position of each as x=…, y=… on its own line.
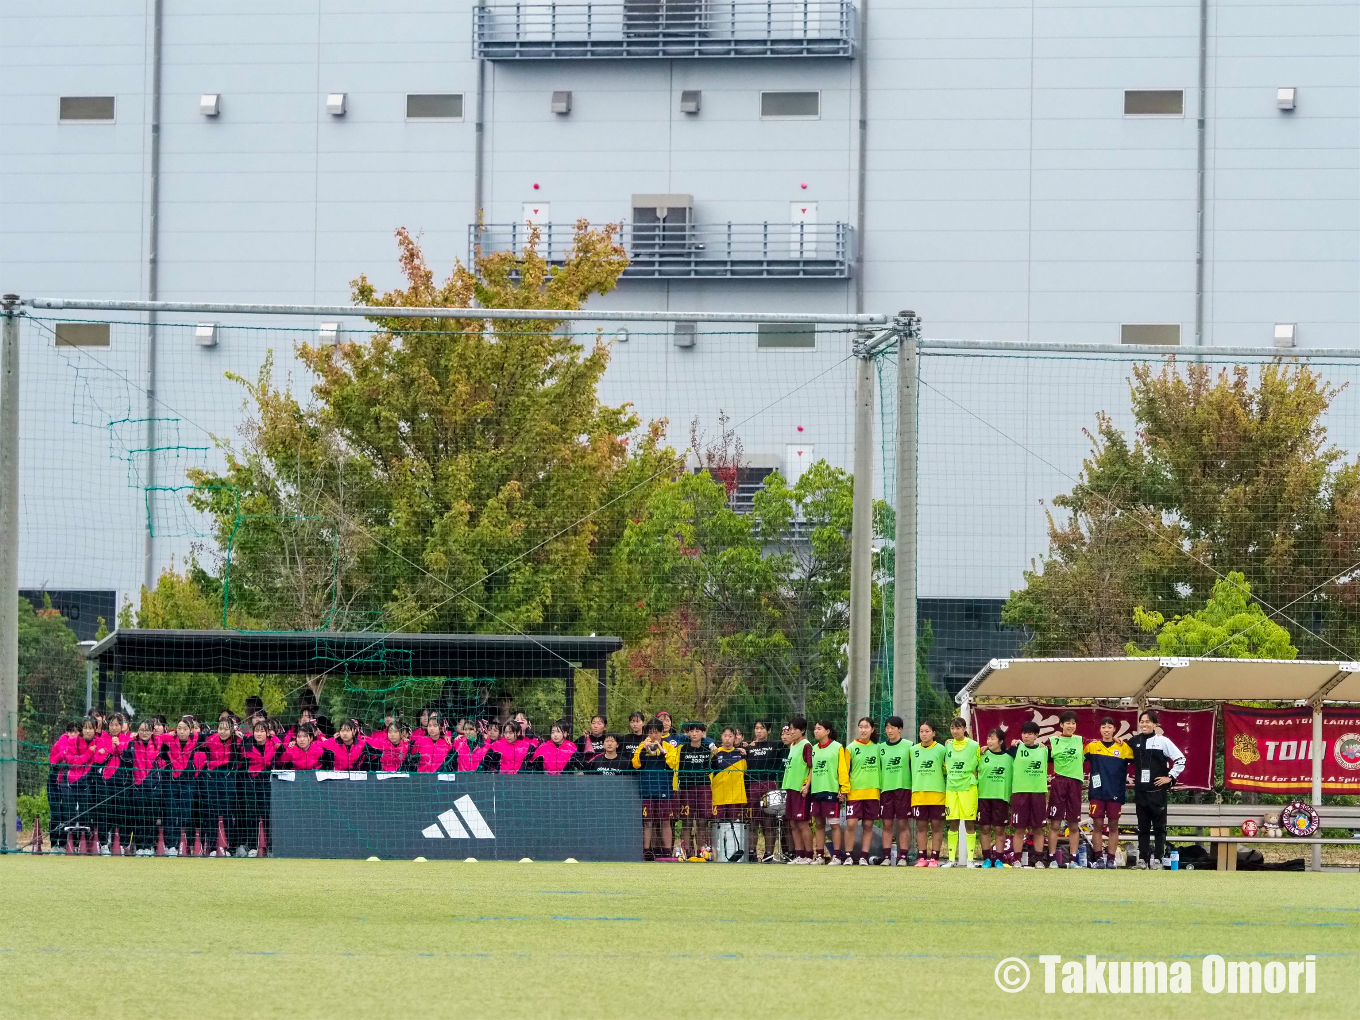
x=475, y=824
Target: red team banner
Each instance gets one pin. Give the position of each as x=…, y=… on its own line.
x=1270, y=750
x=1192, y=731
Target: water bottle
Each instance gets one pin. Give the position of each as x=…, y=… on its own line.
x=1175, y=860
x=1082, y=855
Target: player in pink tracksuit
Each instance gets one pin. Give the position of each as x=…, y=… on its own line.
x=145, y=760
x=470, y=749
x=181, y=785
x=556, y=754
x=306, y=750
x=259, y=751
x=508, y=753
x=347, y=751
x=431, y=748
x=389, y=748
x=113, y=821
x=57, y=784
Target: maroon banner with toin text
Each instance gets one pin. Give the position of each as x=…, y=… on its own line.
x=1270, y=750
x=1191, y=731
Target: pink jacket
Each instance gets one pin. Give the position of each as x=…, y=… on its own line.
x=344, y=757
x=83, y=755
x=146, y=758
x=115, y=752
x=181, y=756
x=512, y=753
x=390, y=756
x=469, y=758
x=554, y=756
x=431, y=753
x=258, y=759
x=296, y=758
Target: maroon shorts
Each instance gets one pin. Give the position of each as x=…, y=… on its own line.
x=1028, y=810
x=895, y=804
x=795, y=806
x=696, y=803
x=869, y=809
x=1064, y=799
x=729, y=811
x=1107, y=809
x=993, y=811
x=827, y=808
x=655, y=808
x=754, y=791
x=928, y=812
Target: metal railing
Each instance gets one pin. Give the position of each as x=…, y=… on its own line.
x=664, y=28
x=698, y=251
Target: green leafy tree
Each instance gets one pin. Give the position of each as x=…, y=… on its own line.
x=457, y=475
x=1226, y=473
x=1231, y=625
x=51, y=686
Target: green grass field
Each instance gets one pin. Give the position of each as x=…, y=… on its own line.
x=146, y=938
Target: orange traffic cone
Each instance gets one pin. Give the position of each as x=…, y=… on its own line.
x=221, y=837
x=183, y=844
x=116, y=845
x=69, y=848
x=84, y=843
x=198, y=844
x=160, y=841
x=261, y=842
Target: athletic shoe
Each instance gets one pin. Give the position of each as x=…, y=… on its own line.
x=902, y=862
x=1073, y=865
x=1040, y=864
x=947, y=864
x=253, y=853
x=987, y=863
x=864, y=862
x=1099, y=862
x=1001, y=864
x=1155, y=864
x=922, y=862
x=142, y=853
x=1141, y=864
x=934, y=862
x=818, y=860
x=1054, y=863
x=172, y=851
x=835, y=860
x=104, y=850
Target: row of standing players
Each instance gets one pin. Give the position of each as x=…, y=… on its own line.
x=126, y=788
x=841, y=791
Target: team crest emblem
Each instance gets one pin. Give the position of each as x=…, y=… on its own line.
x=1347, y=753
x=1246, y=750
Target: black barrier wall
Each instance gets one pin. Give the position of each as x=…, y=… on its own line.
x=463, y=814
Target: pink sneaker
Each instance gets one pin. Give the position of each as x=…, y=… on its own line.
x=921, y=862
x=933, y=863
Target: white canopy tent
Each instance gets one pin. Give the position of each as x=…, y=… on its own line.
x=1140, y=681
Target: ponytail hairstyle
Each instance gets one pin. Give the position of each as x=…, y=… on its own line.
x=829, y=726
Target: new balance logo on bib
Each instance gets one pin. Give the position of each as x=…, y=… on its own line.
x=471, y=824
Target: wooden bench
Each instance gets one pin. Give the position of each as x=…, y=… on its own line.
x=1223, y=822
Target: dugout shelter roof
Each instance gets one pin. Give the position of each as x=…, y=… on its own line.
x=1162, y=679
x=481, y=656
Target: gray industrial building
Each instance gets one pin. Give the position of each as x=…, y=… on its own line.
x=1177, y=173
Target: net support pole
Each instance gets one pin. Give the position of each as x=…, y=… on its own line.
x=1317, y=777
x=904, y=534
x=9, y=571
x=861, y=546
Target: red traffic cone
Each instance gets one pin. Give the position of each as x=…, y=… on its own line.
x=70, y=849
x=116, y=845
x=84, y=843
x=183, y=844
x=36, y=844
x=261, y=842
x=160, y=841
x=221, y=837
x=198, y=844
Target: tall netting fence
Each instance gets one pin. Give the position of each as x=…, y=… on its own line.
x=324, y=493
